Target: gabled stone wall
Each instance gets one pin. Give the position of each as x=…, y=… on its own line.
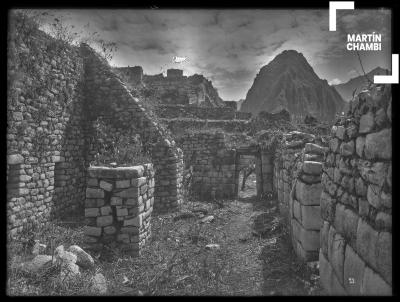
x=109, y=98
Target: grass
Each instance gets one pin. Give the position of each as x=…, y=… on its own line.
x=176, y=262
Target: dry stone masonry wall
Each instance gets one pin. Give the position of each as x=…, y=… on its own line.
x=213, y=165
x=287, y=155
x=356, y=203
x=109, y=98
x=118, y=207
x=45, y=142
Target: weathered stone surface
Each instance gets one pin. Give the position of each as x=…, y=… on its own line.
x=94, y=193
x=341, y=132
x=104, y=220
x=315, y=149
x=336, y=251
x=360, y=144
x=308, y=194
x=312, y=167
x=106, y=185
x=309, y=239
x=324, y=237
x=311, y=217
x=334, y=144
x=35, y=265
x=384, y=256
x=99, y=284
x=327, y=207
x=366, y=242
x=129, y=193
x=15, y=159
x=116, y=201
x=106, y=210
x=296, y=210
x=328, y=277
x=353, y=272
x=92, y=212
x=379, y=145
x=123, y=184
x=346, y=223
x=116, y=173
x=373, y=285
x=347, y=148
x=367, y=122
x=83, y=259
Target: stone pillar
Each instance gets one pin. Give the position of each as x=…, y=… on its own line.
x=118, y=207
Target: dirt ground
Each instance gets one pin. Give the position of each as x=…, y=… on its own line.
x=177, y=261
x=204, y=249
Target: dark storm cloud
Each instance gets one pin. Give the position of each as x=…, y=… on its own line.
x=230, y=46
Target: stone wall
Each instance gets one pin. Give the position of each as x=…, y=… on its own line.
x=178, y=125
x=213, y=165
x=304, y=203
x=118, y=207
x=45, y=143
x=109, y=99
x=286, y=157
x=356, y=203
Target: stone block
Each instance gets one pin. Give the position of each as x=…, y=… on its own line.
x=347, y=148
x=366, y=242
x=334, y=144
x=121, y=211
x=360, y=143
x=379, y=145
x=94, y=193
x=383, y=255
x=336, y=251
x=323, y=235
x=136, y=221
x=106, y=210
x=328, y=278
x=137, y=182
x=327, y=205
x=130, y=230
x=110, y=230
x=296, y=210
x=15, y=159
x=92, y=212
x=315, y=149
x=383, y=221
x=123, y=184
x=312, y=167
x=309, y=239
x=104, y=220
x=353, y=275
x=373, y=285
x=106, y=186
x=311, y=217
x=367, y=122
x=116, y=201
x=346, y=223
x=92, y=182
x=308, y=194
x=129, y=193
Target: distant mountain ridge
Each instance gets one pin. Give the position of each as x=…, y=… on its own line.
x=289, y=82
x=346, y=89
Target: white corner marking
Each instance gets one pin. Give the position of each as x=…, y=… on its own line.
x=390, y=79
x=335, y=5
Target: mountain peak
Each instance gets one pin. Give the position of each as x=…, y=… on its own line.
x=289, y=82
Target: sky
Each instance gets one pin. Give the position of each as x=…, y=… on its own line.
x=230, y=46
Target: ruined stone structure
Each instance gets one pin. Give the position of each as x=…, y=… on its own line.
x=211, y=113
x=213, y=165
x=356, y=202
x=304, y=203
x=341, y=209
x=50, y=137
x=118, y=206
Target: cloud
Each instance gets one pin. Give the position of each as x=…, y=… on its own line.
x=335, y=82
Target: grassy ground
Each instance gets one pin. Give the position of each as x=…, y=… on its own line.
x=177, y=262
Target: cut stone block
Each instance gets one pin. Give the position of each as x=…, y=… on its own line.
x=353, y=272
x=308, y=194
x=106, y=186
x=94, y=193
x=311, y=217
x=104, y=220
x=374, y=285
